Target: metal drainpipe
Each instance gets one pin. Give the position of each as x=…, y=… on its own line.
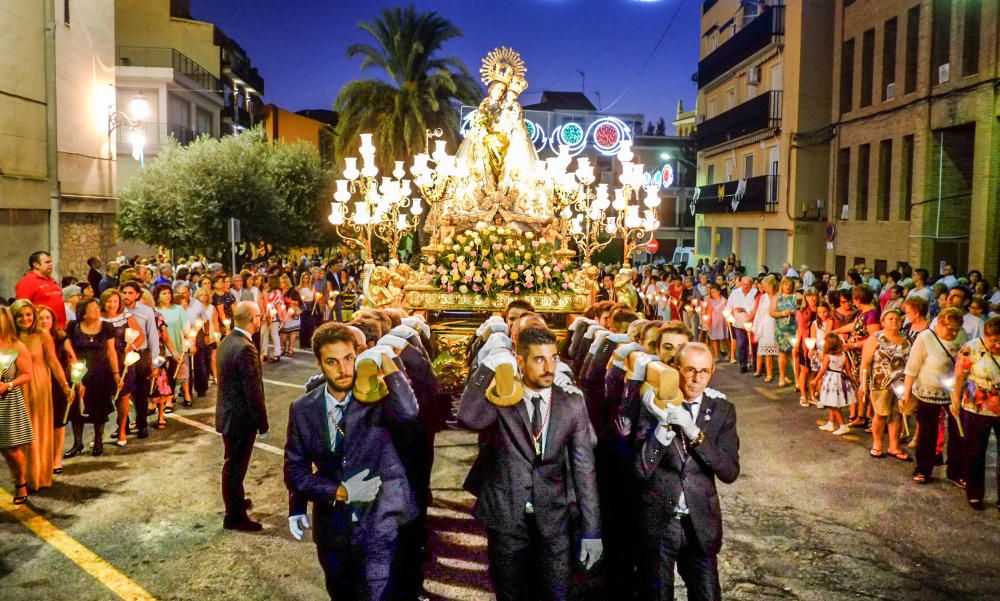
x=937, y=225
x=52, y=148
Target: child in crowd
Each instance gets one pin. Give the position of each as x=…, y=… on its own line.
x=835, y=388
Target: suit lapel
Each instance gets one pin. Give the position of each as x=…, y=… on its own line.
x=557, y=414
x=521, y=428
x=705, y=411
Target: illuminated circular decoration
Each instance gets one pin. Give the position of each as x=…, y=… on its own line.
x=607, y=135
x=667, y=176
x=571, y=134
x=574, y=139
x=536, y=133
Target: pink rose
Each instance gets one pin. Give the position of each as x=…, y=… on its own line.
x=475, y=288
x=486, y=264
x=528, y=285
x=451, y=289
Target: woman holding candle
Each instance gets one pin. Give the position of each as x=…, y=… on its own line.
x=866, y=323
x=717, y=325
x=804, y=319
x=16, y=433
x=883, y=359
x=929, y=380
x=44, y=364
x=60, y=400
x=175, y=324
x=93, y=341
x=764, y=327
x=976, y=398
x=112, y=313
x=308, y=296
x=292, y=322
x=272, y=316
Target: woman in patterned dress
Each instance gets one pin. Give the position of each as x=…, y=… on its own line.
x=866, y=323
x=44, y=364
x=883, y=359
x=16, y=433
x=783, y=311
x=977, y=396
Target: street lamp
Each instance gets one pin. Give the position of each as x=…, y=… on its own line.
x=139, y=107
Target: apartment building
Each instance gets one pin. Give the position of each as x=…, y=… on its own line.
x=764, y=89
x=914, y=164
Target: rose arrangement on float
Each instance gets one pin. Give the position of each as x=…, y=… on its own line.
x=496, y=259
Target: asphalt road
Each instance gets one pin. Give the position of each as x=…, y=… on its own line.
x=811, y=517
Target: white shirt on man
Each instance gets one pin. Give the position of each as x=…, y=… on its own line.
x=741, y=300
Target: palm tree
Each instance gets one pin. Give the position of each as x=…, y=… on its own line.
x=421, y=90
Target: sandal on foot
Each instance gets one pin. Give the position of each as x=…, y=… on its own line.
x=901, y=456
x=21, y=499
x=161, y=425
x=876, y=454
x=920, y=478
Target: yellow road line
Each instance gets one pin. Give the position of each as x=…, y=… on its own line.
x=87, y=560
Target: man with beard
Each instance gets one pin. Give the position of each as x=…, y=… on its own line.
x=534, y=454
x=341, y=455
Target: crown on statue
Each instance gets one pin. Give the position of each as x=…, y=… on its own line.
x=502, y=64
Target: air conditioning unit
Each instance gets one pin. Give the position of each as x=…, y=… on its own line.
x=890, y=91
x=753, y=76
x=944, y=73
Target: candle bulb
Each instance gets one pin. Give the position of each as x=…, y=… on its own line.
x=810, y=343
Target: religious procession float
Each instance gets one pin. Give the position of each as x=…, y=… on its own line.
x=503, y=223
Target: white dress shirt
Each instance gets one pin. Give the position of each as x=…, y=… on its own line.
x=745, y=301
x=695, y=406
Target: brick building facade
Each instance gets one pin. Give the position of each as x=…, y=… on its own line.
x=914, y=165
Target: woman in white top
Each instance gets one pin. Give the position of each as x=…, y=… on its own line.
x=764, y=327
x=929, y=378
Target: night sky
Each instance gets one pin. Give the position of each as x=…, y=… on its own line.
x=299, y=46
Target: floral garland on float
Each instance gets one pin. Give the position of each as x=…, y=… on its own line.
x=496, y=260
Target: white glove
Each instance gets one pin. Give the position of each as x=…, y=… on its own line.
x=486, y=324
x=417, y=324
x=639, y=371
x=599, y=337
x=394, y=341
x=620, y=338
x=625, y=350
x=360, y=490
x=297, y=524
x=497, y=358
x=564, y=368
x=649, y=402
x=495, y=341
x=591, y=330
x=678, y=416
x=263, y=435
x=580, y=322
x=591, y=550
x=374, y=354
x=404, y=332
x=565, y=381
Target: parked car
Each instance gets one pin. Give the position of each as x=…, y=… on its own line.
x=684, y=257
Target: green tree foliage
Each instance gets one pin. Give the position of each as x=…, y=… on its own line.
x=418, y=89
x=185, y=197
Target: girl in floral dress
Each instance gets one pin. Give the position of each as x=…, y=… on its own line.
x=835, y=387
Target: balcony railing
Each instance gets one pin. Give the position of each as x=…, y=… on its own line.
x=759, y=113
x=753, y=195
x=183, y=134
x=240, y=116
x=757, y=32
x=138, y=56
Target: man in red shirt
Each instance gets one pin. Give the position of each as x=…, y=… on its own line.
x=38, y=286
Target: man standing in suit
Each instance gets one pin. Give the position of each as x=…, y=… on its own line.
x=531, y=453
x=683, y=449
x=240, y=413
x=341, y=454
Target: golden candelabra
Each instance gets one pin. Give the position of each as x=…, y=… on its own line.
x=381, y=208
